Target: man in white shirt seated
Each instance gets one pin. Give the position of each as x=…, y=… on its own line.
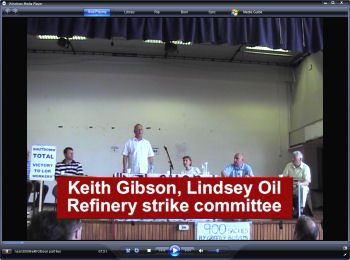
x=301, y=175
x=138, y=153
x=189, y=170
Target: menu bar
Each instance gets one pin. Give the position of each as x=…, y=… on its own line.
x=178, y=10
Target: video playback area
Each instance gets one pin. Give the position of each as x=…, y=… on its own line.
x=234, y=118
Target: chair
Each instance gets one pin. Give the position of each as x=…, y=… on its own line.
x=36, y=193
x=31, y=189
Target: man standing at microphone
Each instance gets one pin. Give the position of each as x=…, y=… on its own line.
x=138, y=153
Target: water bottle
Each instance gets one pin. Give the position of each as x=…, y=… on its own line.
x=206, y=168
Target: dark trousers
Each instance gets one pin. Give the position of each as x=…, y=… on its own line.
x=305, y=209
x=295, y=206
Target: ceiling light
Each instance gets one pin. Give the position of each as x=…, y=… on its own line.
x=55, y=37
x=181, y=43
x=174, y=42
x=267, y=51
x=77, y=38
x=262, y=48
x=154, y=41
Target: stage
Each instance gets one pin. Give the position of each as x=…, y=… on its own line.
x=110, y=229
x=261, y=229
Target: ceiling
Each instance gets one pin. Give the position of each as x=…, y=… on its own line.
x=138, y=48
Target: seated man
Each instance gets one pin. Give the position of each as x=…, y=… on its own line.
x=305, y=229
x=302, y=176
x=238, y=168
x=68, y=166
x=189, y=169
x=46, y=226
x=34, y=186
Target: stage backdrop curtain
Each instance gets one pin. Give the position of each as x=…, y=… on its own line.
x=298, y=34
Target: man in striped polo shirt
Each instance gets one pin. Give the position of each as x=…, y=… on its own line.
x=67, y=167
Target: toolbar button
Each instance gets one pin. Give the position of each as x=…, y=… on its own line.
x=174, y=250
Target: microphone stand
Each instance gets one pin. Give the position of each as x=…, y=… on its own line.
x=170, y=162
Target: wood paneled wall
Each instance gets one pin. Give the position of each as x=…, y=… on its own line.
x=111, y=230
x=274, y=230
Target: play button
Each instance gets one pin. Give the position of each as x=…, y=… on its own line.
x=174, y=250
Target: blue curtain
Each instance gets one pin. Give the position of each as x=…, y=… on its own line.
x=298, y=34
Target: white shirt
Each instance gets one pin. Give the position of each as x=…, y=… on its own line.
x=138, y=152
x=192, y=171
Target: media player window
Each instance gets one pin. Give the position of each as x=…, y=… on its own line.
x=175, y=129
